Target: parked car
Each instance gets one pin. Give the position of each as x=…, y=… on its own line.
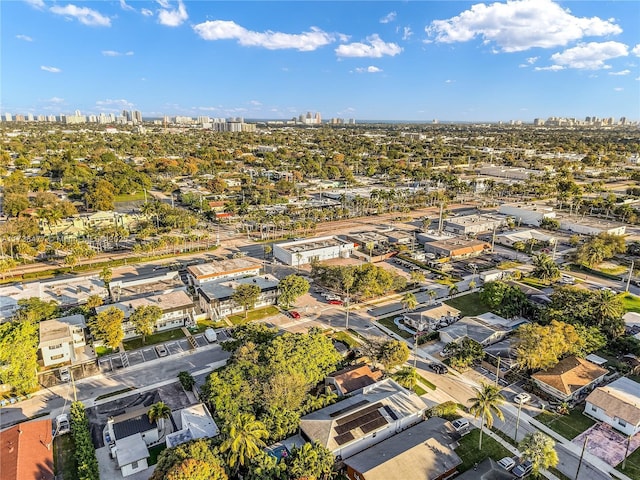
x=65, y=374
x=335, y=302
x=294, y=314
x=210, y=335
x=161, y=350
x=522, y=398
x=522, y=470
x=438, y=368
x=507, y=463
x=62, y=424
x=460, y=424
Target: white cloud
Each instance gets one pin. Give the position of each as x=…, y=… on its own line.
x=50, y=69
x=114, y=105
x=406, y=33
x=26, y=38
x=228, y=30
x=519, y=25
x=36, y=3
x=590, y=56
x=173, y=18
x=56, y=100
x=369, y=69
x=256, y=103
x=530, y=61
x=636, y=50
x=146, y=12
x=124, y=6
x=84, y=15
x=620, y=73
x=113, y=53
x=618, y=89
x=375, y=49
x=163, y=3
x=551, y=68
x=389, y=17
x=449, y=81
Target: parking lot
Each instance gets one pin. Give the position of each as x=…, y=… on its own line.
x=150, y=352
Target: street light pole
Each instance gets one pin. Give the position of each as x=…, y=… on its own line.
x=515, y=437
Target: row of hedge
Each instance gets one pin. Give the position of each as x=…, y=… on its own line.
x=85, y=451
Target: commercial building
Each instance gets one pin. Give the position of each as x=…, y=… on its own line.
x=457, y=247
x=129, y=286
x=617, y=404
x=422, y=452
x=527, y=214
x=301, y=252
x=590, y=225
x=473, y=224
x=524, y=236
x=222, y=270
x=216, y=298
x=62, y=340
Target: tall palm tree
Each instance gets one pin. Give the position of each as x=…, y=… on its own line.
x=409, y=301
x=432, y=295
x=158, y=412
x=407, y=377
x=244, y=438
x=485, y=404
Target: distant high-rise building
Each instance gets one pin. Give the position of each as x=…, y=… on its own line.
x=8, y=117
x=136, y=116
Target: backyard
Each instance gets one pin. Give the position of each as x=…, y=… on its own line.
x=469, y=305
x=569, y=426
x=64, y=459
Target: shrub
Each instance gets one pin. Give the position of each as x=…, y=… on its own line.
x=85, y=451
x=448, y=410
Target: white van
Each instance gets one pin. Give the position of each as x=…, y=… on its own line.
x=210, y=335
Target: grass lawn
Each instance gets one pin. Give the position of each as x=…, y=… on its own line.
x=632, y=467
x=345, y=338
x=113, y=394
x=535, y=282
x=508, y=264
x=252, y=315
x=388, y=322
x=470, y=455
x=630, y=302
x=64, y=459
x=418, y=390
x=569, y=426
x=154, y=452
x=469, y=305
x=202, y=325
x=153, y=339
x=129, y=198
x=426, y=382
x=101, y=351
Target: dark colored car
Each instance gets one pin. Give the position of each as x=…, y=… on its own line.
x=438, y=368
x=294, y=314
x=523, y=469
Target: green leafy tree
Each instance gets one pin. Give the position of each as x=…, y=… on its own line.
x=409, y=301
x=186, y=380
x=545, y=268
x=246, y=296
x=542, y=346
x=35, y=310
x=198, y=450
x=106, y=275
x=462, y=354
x=540, y=449
x=144, y=318
x=243, y=439
x=504, y=299
x=485, y=405
x=158, y=412
x=407, y=377
x=416, y=277
x=18, y=355
x=312, y=461
x=192, y=469
x=393, y=353
x=107, y=326
x=291, y=288
x=85, y=453
x=267, y=467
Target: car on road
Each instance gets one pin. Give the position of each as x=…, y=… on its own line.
x=335, y=302
x=507, y=463
x=161, y=350
x=460, y=424
x=522, y=398
x=522, y=470
x=294, y=314
x=65, y=375
x=62, y=425
x=438, y=368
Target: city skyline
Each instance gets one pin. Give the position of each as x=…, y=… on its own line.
x=452, y=61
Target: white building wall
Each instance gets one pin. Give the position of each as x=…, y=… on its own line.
x=526, y=215
x=128, y=470
x=576, y=227
x=284, y=253
x=599, y=414
x=54, y=356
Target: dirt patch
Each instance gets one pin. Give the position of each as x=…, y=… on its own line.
x=608, y=444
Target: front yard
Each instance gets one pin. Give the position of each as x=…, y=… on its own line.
x=470, y=455
x=632, y=467
x=631, y=303
x=252, y=315
x=569, y=426
x=161, y=337
x=469, y=305
x=390, y=324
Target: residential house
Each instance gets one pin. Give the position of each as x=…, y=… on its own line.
x=177, y=311
x=219, y=270
x=134, y=422
x=62, y=340
x=216, y=299
x=26, y=451
x=360, y=421
x=302, y=252
x=192, y=423
x=617, y=404
x=422, y=452
x=475, y=328
x=570, y=378
x=131, y=454
x=352, y=379
x=432, y=316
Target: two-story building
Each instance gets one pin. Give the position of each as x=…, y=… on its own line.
x=62, y=341
x=222, y=270
x=216, y=298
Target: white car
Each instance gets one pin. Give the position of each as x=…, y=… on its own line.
x=62, y=424
x=522, y=398
x=460, y=424
x=65, y=375
x=507, y=463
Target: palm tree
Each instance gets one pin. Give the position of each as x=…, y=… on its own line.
x=453, y=289
x=409, y=301
x=244, y=438
x=545, y=268
x=407, y=377
x=485, y=404
x=158, y=412
x=540, y=449
x=432, y=295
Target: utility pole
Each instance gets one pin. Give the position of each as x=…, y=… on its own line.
x=73, y=383
x=440, y=218
x=493, y=239
x=515, y=437
x=629, y=278
x=624, y=462
x=347, y=316
x=415, y=350
x=584, y=447
x=498, y=370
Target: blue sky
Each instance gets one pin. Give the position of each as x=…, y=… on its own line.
x=369, y=60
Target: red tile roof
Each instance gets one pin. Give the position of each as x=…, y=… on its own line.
x=26, y=451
